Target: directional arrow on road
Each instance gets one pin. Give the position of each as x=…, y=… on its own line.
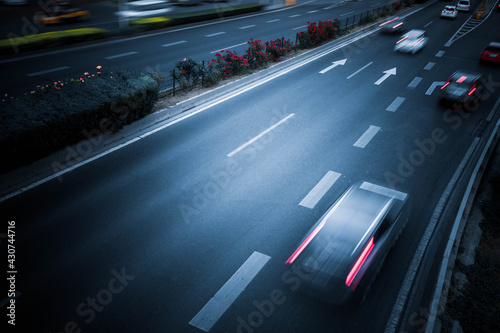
x=433, y=86
x=388, y=73
x=335, y=64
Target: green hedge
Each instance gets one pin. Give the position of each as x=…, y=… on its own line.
x=52, y=117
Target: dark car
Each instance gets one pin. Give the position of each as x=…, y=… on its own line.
x=491, y=54
x=342, y=253
x=393, y=25
x=462, y=87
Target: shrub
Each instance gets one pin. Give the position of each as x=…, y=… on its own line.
x=255, y=54
x=318, y=33
x=279, y=48
x=227, y=63
x=189, y=72
x=53, y=116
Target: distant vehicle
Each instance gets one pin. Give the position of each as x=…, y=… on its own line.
x=463, y=88
x=15, y=2
x=491, y=54
x=393, y=25
x=463, y=5
x=449, y=12
x=343, y=252
x=412, y=41
x=187, y=2
x=61, y=13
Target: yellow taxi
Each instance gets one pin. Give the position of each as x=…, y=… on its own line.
x=61, y=13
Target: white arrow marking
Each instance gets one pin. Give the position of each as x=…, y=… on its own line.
x=433, y=86
x=388, y=73
x=335, y=64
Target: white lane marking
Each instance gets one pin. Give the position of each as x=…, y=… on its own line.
x=428, y=24
x=215, y=34
x=439, y=54
x=375, y=4
x=243, y=146
x=396, y=104
x=181, y=117
x=174, y=43
x=48, y=71
x=389, y=192
x=367, y=136
x=335, y=64
x=312, y=11
x=222, y=300
x=296, y=15
x=247, y=27
x=318, y=191
x=387, y=73
x=347, y=13
x=359, y=70
x=142, y=13
x=272, y=21
x=302, y=26
x=413, y=84
x=120, y=55
x=6, y=300
x=229, y=47
x=433, y=86
x=429, y=66
x=400, y=303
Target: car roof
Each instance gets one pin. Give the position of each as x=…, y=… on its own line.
x=450, y=7
x=466, y=77
x=414, y=33
x=494, y=44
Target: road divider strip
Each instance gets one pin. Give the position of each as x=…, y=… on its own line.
x=318, y=191
x=367, y=136
x=243, y=146
x=222, y=300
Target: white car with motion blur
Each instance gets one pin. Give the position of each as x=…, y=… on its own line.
x=449, y=12
x=412, y=41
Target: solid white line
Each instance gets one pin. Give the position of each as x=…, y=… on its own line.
x=260, y=135
x=400, y=303
x=215, y=34
x=48, y=71
x=174, y=43
x=428, y=24
x=439, y=54
x=247, y=26
x=415, y=82
x=318, y=191
x=367, y=136
x=429, y=66
x=226, y=295
x=433, y=86
x=347, y=13
x=229, y=47
x=396, y=104
x=120, y=55
x=359, y=70
x=389, y=192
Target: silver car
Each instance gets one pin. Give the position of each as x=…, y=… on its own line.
x=412, y=41
x=463, y=5
x=342, y=253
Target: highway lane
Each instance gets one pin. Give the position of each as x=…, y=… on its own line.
x=161, y=49
x=177, y=266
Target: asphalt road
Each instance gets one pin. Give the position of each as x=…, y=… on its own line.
x=142, y=238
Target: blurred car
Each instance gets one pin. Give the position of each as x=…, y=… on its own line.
x=61, y=13
x=393, y=25
x=343, y=252
x=449, y=12
x=491, y=54
x=463, y=5
x=412, y=41
x=463, y=88
x=15, y=2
